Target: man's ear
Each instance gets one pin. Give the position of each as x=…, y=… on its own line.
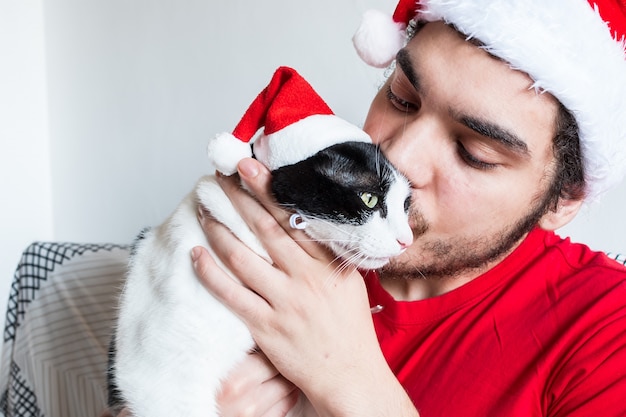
x=566, y=210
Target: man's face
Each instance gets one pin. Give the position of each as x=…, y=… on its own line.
x=475, y=140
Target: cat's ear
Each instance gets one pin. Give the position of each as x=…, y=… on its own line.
x=565, y=211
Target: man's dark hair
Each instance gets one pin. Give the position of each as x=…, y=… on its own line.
x=569, y=174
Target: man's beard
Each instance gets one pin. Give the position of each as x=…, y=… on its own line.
x=453, y=257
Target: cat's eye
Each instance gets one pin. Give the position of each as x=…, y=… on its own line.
x=370, y=200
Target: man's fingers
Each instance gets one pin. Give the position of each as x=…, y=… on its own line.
x=257, y=179
x=256, y=385
x=240, y=299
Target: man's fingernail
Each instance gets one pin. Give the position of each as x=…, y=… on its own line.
x=195, y=253
x=248, y=168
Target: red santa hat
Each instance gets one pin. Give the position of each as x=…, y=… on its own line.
x=296, y=124
x=573, y=49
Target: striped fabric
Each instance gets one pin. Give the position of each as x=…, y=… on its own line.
x=57, y=330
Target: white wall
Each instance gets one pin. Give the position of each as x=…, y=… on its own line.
x=602, y=225
x=135, y=88
x=25, y=186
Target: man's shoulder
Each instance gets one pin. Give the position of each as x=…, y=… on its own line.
x=580, y=258
x=584, y=279
x=574, y=275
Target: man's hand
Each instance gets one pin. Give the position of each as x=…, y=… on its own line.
x=256, y=389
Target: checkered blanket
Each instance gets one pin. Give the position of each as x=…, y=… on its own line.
x=58, y=325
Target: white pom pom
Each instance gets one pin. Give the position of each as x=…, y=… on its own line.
x=225, y=151
x=379, y=38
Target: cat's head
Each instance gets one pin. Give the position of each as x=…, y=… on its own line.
x=352, y=199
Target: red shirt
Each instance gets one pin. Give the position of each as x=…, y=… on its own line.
x=541, y=334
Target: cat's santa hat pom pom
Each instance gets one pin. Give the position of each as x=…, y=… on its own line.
x=225, y=151
x=286, y=123
x=380, y=36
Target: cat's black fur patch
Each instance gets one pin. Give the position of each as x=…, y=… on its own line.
x=115, y=401
x=141, y=236
x=328, y=184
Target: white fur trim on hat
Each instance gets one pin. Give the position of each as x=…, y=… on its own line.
x=305, y=138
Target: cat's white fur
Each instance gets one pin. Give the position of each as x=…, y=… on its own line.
x=175, y=342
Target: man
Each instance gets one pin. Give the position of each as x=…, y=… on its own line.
x=503, y=135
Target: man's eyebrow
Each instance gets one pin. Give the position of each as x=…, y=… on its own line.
x=491, y=130
x=483, y=127
x=403, y=60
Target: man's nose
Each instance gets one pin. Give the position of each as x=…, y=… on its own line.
x=416, y=149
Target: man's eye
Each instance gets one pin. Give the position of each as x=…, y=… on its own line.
x=399, y=103
x=472, y=161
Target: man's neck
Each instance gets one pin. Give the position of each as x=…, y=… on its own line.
x=402, y=289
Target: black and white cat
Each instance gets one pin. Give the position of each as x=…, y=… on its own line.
x=174, y=342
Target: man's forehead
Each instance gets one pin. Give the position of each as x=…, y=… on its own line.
x=409, y=61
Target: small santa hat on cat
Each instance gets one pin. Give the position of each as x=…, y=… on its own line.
x=573, y=49
x=296, y=124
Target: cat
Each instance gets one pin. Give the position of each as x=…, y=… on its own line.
x=174, y=343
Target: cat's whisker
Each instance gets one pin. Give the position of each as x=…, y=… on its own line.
x=329, y=223
x=330, y=280
x=377, y=160
x=421, y=274
x=351, y=257
x=344, y=265
x=347, y=260
x=325, y=240
x=384, y=115
x=336, y=272
x=326, y=222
